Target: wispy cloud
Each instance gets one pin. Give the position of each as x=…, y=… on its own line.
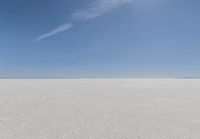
x=93, y=10
x=59, y=29
x=97, y=8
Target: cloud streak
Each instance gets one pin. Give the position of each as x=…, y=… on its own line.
x=93, y=10
x=97, y=8
x=59, y=29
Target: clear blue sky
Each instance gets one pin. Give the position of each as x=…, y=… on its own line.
x=99, y=38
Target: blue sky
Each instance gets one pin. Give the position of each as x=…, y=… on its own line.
x=99, y=38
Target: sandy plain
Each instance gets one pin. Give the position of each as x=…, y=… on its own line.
x=100, y=109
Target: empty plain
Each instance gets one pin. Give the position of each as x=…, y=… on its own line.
x=100, y=109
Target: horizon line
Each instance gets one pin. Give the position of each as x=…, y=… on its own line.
x=1, y=78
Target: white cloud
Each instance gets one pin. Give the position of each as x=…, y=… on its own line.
x=93, y=10
x=97, y=8
x=59, y=29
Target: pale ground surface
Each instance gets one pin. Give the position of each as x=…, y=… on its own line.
x=100, y=109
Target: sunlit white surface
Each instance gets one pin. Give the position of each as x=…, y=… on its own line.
x=100, y=109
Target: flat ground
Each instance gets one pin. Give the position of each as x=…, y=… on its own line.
x=100, y=109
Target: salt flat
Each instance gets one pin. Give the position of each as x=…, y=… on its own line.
x=100, y=109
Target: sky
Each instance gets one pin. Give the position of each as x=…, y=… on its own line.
x=99, y=38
